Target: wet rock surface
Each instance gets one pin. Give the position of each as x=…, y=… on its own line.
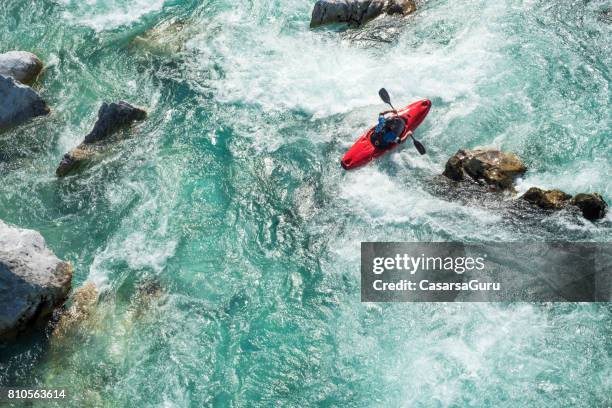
x=111, y=118
x=357, y=12
x=496, y=168
x=549, y=199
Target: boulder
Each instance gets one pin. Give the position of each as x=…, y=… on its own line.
x=547, y=199
x=111, y=118
x=33, y=281
x=497, y=169
x=21, y=65
x=592, y=205
x=18, y=103
x=357, y=12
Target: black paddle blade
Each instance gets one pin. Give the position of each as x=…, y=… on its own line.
x=419, y=146
x=384, y=95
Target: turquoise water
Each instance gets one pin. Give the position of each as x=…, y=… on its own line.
x=230, y=202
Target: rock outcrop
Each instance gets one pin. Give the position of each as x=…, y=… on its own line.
x=111, y=118
x=18, y=103
x=20, y=65
x=497, y=169
x=33, y=281
x=357, y=12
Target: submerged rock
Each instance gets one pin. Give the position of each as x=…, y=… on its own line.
x=592, y=205
x=18, y=103
x=357, y=12
x=165, y=38
x=33, y=281
x=21, y=65
x=83, y=302
x=111, y=118
x=547, y=199
x=497, y=169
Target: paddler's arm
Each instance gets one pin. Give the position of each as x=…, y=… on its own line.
x=388, y=111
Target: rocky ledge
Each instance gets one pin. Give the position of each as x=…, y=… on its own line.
x=357, y=12
x=111, y=118
x=33, y=281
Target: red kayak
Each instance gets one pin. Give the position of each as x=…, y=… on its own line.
x=363, y=151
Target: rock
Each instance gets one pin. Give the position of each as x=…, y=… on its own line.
x=33, y=281
x=18, y=103
x=21, y=65
x=357, y=12
x=498, y=169
x=169, y=37
x=111, y=118
x=376, y=33
x=592, y=205
x=75, y=157
x=82, y=305
x=547, y=199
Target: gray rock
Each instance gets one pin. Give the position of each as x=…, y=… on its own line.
x=593, y=206
x=33, y=281
x=497, y=169
x=111, y=118
x=21, y=65
x=18, y=103
x=357, y=12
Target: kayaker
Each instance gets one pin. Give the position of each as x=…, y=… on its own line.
x=388, y=130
